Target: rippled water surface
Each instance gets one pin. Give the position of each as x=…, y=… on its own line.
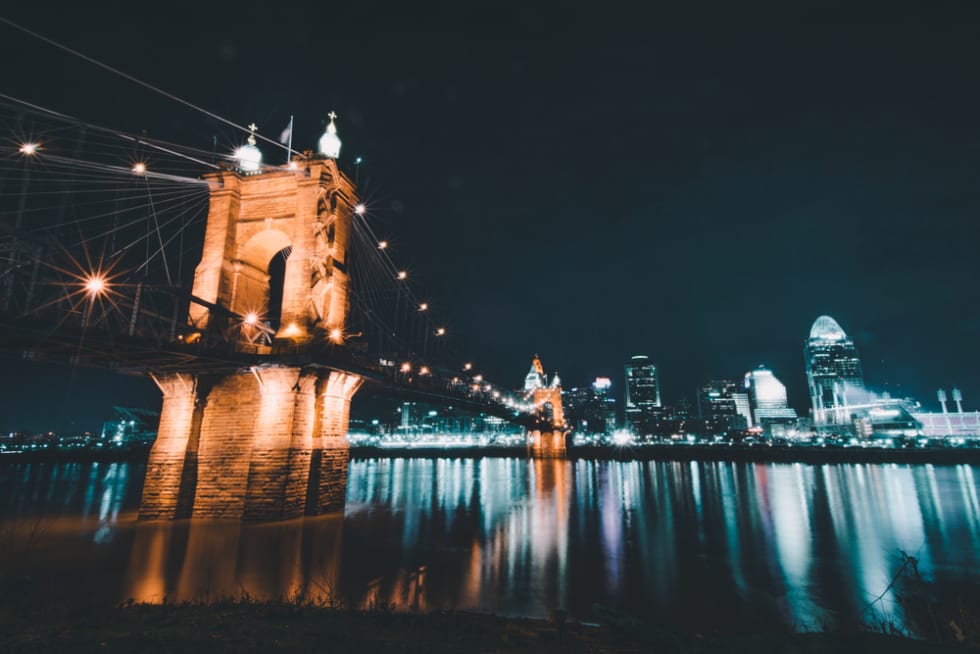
x=721, y=545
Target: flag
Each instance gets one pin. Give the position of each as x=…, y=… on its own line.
x=287, y=133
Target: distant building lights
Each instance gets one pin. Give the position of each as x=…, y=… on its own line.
x=424, y=370
x=406, y=367
x=424, y=306
x=477, y=378
x=467, y=366
x=441, y=331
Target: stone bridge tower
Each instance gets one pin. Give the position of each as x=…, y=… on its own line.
x=268, y=441
x=546, y=397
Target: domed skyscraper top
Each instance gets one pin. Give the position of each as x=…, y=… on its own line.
x=827, y=328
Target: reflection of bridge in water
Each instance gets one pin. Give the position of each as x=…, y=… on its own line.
x=293, y=307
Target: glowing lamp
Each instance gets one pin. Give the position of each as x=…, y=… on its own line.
x=251, y=318
x=29, y=149
x=441, y=331
x=336, y=335
x=406, y=367
x=330, y=142
x=424, y=370
x=292, y=329
x=424, y=306
x=139, y=168
x=95, y=285
x=478, y=378
x=248, y=156
x=402, y=274
x=467, y=366
x=360, y=209
x=382, y=245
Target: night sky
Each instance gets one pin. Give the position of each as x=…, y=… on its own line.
x=591, y=184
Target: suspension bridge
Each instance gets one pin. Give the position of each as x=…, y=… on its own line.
x=258, y=298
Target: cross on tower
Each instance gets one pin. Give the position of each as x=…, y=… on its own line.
x=332, y=116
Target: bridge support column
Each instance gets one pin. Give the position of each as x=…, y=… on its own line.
x=171, y=470
x=548, y=444
x=331, y=452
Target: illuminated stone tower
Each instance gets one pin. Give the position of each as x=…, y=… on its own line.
x=550, y=442
x=268, y=441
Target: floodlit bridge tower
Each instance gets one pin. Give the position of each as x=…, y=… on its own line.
x=269, y=441
x=551, y=441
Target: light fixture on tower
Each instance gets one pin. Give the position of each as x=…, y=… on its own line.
x=248, y=156
x=330, y=142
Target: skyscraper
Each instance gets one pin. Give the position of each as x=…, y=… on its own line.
x=718, y=406
x=833, y=372
x=767, y=397
x=642, y=394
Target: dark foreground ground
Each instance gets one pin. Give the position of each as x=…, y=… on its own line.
x=272, y=627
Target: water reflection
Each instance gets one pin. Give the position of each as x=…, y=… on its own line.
x=722, y=545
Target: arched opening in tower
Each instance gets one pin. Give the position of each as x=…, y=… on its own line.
x=277, y=281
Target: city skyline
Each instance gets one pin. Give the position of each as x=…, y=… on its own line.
x=679, y=194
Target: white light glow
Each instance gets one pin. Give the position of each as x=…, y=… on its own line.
x=29, y=149
x=360, y=209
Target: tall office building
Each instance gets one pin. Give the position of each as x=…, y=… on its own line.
x=642, y=394
x=718, y=406
x=767, y=398
x=605, y=408
x=833, y=372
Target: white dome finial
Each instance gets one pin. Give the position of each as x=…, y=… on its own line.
x=248, y=156
x=330, y=142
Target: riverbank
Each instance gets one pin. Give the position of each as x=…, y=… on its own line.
x=658, y=452
x=734, y=453
x=287, y=627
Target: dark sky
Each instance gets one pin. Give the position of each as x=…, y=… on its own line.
x=697, y=185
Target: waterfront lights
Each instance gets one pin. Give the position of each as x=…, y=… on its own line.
x=441, y=331
x=477, y=378
x=406, y=367
x=29, y=149
x=360, y=209
x=382, y=245
x=95, y=285
x=139, y=168
x=402, y=275
x=467, y=366
x=424, y=370
x=622, y=438
x=424, y=306
x=251, y=318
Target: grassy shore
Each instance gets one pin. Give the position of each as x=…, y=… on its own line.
x=288, y=627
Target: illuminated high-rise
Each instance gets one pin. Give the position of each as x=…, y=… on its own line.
x=833, y=372
x=642, y=394
x=767, y=397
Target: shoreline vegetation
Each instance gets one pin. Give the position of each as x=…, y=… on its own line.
x=654, y=452
x=286, y=626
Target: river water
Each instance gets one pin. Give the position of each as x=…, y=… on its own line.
x=714, y=545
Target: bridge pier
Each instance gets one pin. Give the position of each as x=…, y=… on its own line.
x=268, y=443
x=548, y=444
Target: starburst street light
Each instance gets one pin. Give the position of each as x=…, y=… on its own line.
x=424, y=306
x=336, y=335
x=251, y=318
x=441, y=331
x=402, y=275
x=382, y=245
x=95, y=285
x=467, y=366
x=406, y=367
x=139, y=168
x=29, y=149
x=360, y=209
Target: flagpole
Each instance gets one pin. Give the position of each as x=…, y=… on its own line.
x=289, y=148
